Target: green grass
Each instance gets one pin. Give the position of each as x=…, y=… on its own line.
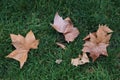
x=21, y=16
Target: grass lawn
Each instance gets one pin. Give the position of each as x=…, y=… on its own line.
x=21, y=16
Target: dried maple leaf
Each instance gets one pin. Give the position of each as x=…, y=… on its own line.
x=61, y=45
x=66, y=27
x=22, y=45
x=97, y=42
x=82, y=59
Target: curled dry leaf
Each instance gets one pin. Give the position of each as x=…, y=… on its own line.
x=61, y=45
x=82, y=59
x=66, y=27
x=22, y=45
x=97, y=42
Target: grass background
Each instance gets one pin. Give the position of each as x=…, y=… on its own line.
x=21, y=16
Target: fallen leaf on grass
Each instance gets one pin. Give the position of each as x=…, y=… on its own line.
x=22, y=45
x=61, y=45
x=66, y=27
x=82, y=59
x=58, y=61
x=97, y=42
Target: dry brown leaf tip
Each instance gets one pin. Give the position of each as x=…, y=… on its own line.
x=105, y=28
x=22, y=45
x=97, y=42
x=66, y=27
x=82, y=59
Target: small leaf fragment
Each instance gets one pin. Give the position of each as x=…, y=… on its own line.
x=61, y=45
x=82, y=59
x=75, y=61
x=58, y=61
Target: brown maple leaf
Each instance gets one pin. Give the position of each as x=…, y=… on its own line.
x=22, y=45
x=97, y=42
x=82, y=59
x=66, y=27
